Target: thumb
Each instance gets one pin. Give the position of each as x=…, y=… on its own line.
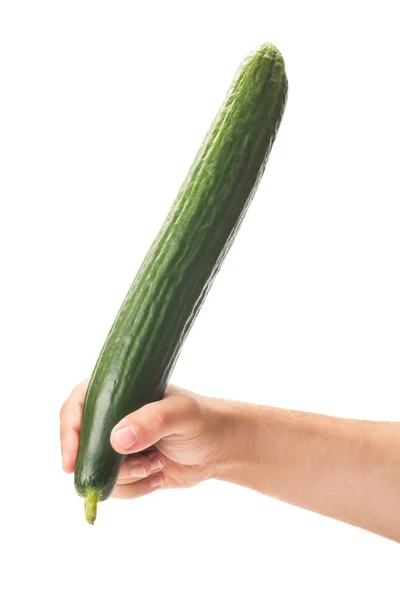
x=147, y=425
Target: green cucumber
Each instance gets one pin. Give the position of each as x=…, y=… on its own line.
x=147, y=335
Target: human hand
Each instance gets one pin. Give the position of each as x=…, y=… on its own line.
x=176, y=442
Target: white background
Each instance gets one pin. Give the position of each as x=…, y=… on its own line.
x=103, y=106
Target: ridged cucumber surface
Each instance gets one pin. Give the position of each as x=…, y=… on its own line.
x=147, y=335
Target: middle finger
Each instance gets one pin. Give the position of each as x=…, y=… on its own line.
x=138, y=466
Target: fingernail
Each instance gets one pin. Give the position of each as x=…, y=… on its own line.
x=138, y=471
x=156, y=482
x=155, y=464
x=126, y=437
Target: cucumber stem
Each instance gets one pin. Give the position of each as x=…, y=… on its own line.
x=91, y=499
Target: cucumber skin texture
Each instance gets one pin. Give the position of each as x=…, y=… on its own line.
x=144, y=342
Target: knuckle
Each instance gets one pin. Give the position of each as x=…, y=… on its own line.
x=79, y=389
x=82, y=384
x=62, y=409
x=187, y=399
x=192, y=406
x=172, y=390
x=158, y=412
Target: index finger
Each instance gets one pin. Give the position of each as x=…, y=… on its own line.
x=70, y=424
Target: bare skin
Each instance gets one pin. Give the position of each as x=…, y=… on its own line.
x=346, y=469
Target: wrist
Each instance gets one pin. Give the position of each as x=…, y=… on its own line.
x=241, y=442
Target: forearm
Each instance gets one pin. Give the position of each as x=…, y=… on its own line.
x=342, y=468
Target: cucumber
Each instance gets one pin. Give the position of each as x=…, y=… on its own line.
x=144, y=342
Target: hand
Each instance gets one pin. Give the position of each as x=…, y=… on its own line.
x=176, y=442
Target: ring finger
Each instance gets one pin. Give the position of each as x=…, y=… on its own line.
x=138, y=466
